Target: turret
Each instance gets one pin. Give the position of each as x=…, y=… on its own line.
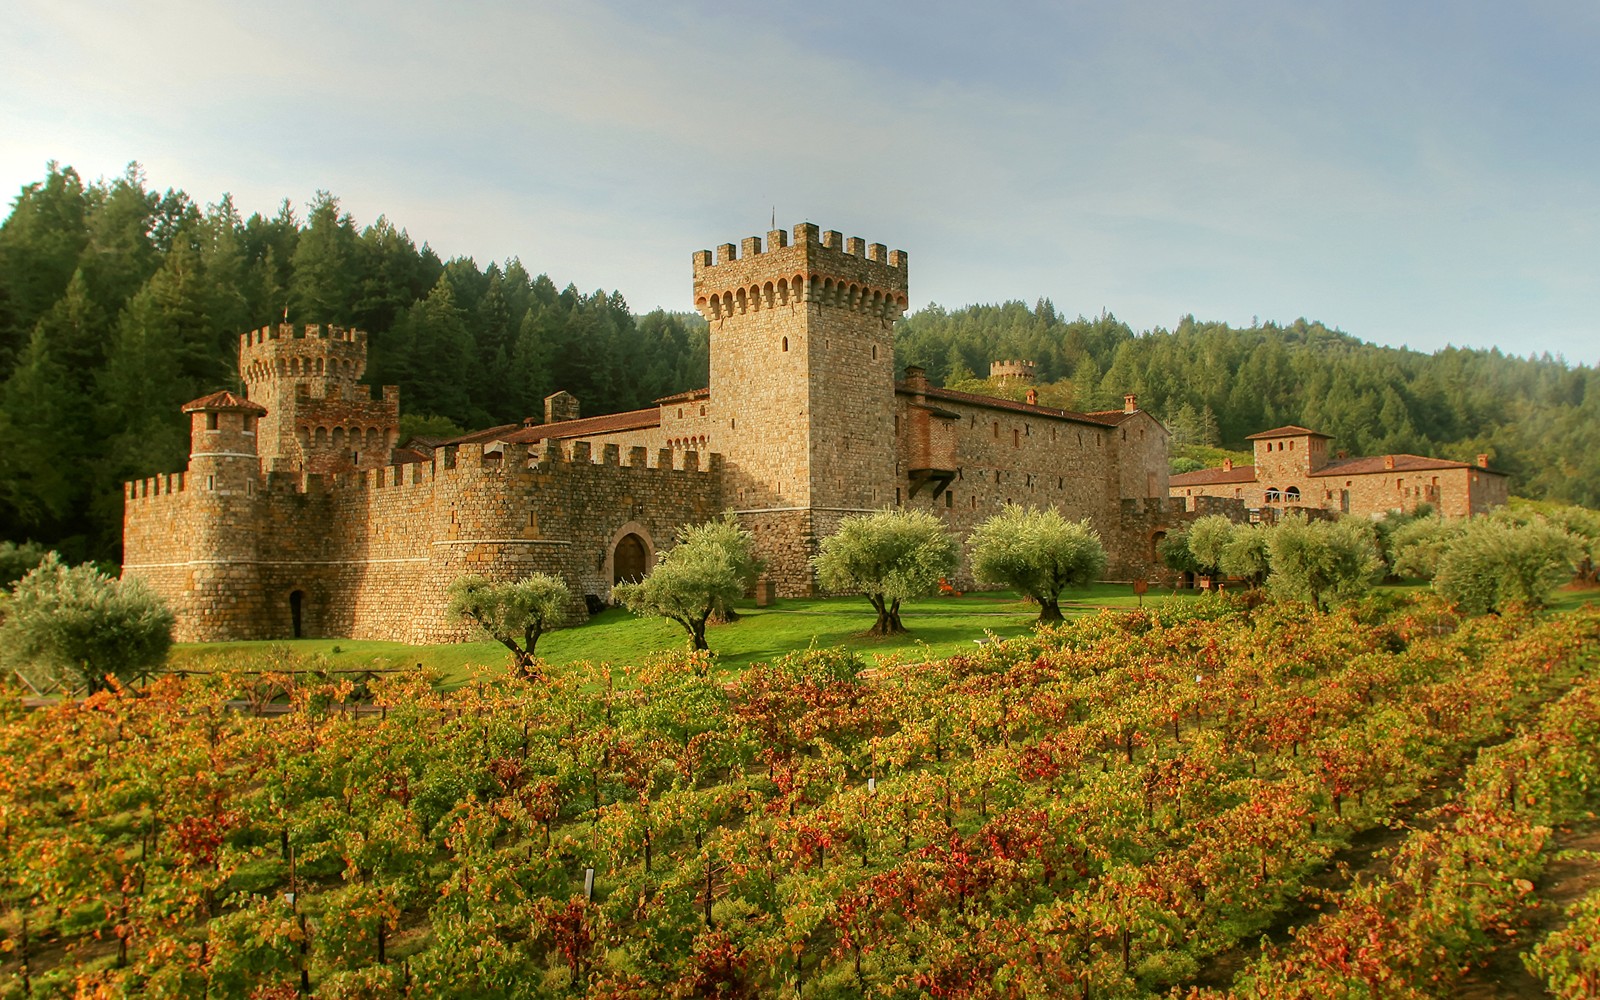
x=218, y=526
x=320, y=418
x=223, y=429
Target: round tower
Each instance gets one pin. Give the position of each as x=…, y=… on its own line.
x=1020, y=372
x=320, y=418
x=222, y=494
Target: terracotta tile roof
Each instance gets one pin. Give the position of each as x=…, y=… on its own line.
x=406, y=456
x=223, y=401
x=478, y=437
x=1112, y=417
x=994, y=403
x=686, y=397
x=610, y=423
x=1402, y=463
x=1214, y=477
x=1289, y=430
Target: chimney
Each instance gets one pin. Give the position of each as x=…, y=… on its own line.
x=1483, y=461
x=1343, y=453
x=916, y=379
x=1227, y=465
x=1033, y=397
x=1388, y=461
x=1130, y=403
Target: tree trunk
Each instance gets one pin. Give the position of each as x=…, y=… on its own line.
x=697, y=634
x=888, y=622
x=1049, y=609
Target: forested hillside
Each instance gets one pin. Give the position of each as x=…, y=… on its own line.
x=118, y=303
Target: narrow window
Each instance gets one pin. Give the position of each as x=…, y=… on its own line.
x=874, y=352
x=1016, y=438
x=211, y=482
x=949, y=499
x=786, y=346
x=211, y=421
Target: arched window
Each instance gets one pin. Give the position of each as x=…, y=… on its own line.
x=1273, y=496
x=1292, y=494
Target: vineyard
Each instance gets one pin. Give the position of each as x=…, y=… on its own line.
x=1120, y=806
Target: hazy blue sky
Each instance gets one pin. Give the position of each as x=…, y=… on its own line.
x=1411, y=173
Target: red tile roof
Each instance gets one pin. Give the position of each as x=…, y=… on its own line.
x=1214, y=477
x=610, y=423
x=1402, y=463
x=995, y=403
x=1290, y=430
x=223, y=401
x=478, y=437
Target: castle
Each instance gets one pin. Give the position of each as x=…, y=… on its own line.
x=300, y=514
x=1293, y=470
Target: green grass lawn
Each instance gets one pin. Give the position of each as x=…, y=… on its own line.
x=939, y=626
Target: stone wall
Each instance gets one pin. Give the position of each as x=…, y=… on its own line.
x=371, y=554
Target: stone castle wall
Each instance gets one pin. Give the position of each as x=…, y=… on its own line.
x=372, y=553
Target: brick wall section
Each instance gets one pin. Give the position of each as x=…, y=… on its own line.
x=372, y=553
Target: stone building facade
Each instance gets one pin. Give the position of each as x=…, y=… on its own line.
x=301, y=515
x=1293, y=469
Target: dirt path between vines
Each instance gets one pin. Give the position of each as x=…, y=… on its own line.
x=1364, y=859
x=1564, y=881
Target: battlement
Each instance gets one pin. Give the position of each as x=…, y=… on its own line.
x=310, y=351
x=310, y=331
x=819, y=268
x=163, y=485
x=1012, y=371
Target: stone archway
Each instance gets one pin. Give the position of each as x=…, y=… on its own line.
x=630, y=555
x=628, y=559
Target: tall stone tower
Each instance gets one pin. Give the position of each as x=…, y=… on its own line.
x=320, y=418
x=218, y=525
x=802, y=384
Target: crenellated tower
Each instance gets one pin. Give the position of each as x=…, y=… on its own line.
x=320, y=418
x=802, y=383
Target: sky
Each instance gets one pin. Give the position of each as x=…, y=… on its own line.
x=1413, y=174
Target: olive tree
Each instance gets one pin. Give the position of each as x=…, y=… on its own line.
x=710, y=567
x=1208, y=536
x=1247, y=554
x=514, y=614
x=72, y=625
x=1322, y=562
x=739, y=545
x=1418, y=545
x=1173, y=551
x=888, y=556
x=1494, y=562
x=1037, y=552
